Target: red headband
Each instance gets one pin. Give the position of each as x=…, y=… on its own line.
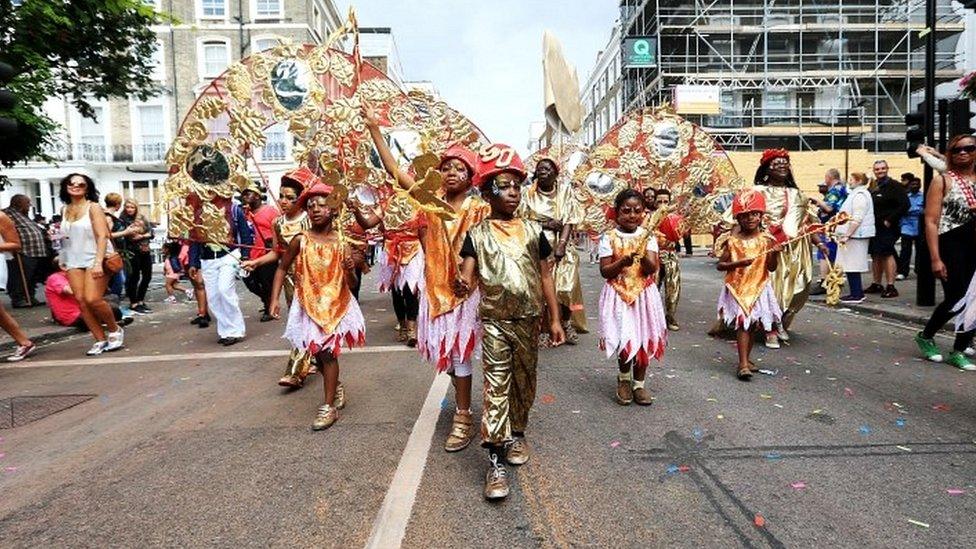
x=770, y=154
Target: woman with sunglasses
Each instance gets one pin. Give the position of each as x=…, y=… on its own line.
x=86, y=243
x=950, y=232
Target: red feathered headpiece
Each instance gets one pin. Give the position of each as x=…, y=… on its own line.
x=495, y=159
x=748, y=201
x=318, y=189
x=770, y=154
x=301, y=177
x=464, y=154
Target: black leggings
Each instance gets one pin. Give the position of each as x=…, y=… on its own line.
x=405, y=304
x=137, y=276
x=956, y=250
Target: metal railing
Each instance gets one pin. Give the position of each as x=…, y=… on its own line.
x=805, y=61
x=65, y=151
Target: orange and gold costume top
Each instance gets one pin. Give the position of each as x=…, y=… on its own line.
x=403, y=243
x=442, y=248
x=630, y=282
x=747, y=283
x=321, y=283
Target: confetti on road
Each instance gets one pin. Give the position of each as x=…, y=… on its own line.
x=918, y=523
x=848, y=391
x=766, y=396
x=444, y=404
x=615, y=444
x=941, y=407
x=955, y=492
x=798, y=485
x=759, y=521
x=720, y=416
x=865, y=430
x=900, y=422
x=772, y=372
x=10, y=469
x=904, y=448
x=711, y=400
x=773, y=456
x=697, y=434
x=548, y=399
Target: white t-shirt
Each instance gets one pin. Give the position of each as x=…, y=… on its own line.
x=606, y=250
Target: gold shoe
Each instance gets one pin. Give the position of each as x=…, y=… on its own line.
x=673, y=326
x=496, y=480
x=340, y=398
x=572, y=338
x=625, y=393
x=411, y=333
x=517, y=452
x=326, y=416
x=401, y=333
x=643, y=397
x=292, y=381
x=461, y=432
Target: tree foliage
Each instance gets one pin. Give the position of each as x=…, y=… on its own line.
x=81, y=50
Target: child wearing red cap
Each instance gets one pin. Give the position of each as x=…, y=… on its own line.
x=506, y=257
x=324, y=314
x=448, y=329
x=747, y=254
x=632, y=323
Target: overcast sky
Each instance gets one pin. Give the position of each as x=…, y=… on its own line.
x=485, y=57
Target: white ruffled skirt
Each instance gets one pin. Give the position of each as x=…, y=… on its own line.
x=455, y=334
x=305, y=334
x=408, y=276
x=635, y=332
x=765, y=311
x=966, y=318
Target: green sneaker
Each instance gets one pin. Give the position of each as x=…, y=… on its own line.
x=959, y=360
x=928, y=347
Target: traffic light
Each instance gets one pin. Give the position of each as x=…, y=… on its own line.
x=8, y=126
x=959, y=117
x=915, y=130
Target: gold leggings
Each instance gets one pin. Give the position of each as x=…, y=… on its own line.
x=510, y=352
x=299, y=361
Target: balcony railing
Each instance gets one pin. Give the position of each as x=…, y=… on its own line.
x=723, y=14
x=64, y=151
x=881, y=63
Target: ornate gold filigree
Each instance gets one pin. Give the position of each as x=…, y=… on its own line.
x=247, y=125
x=238, y=82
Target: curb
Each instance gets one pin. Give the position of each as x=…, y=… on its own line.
x=53, y=336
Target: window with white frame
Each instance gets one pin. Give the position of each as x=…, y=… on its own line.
x=152, y=133
x=216, y=57
x=265, y=43
x=158, y=64
x=144, y=193
x=93, y=136
x=216, y=9
x=276, y=147
x=268, y=9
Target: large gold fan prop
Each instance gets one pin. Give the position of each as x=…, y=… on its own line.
x=656, y=148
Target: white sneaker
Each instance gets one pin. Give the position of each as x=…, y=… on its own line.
x=783, y=335
x=97, y=348
x=115, y=340
x=900, y=277
x=969, y=351
x=189, y=294
x=772, y=342
x=170, y=299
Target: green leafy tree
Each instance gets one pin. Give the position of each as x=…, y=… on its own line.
x=76, y=49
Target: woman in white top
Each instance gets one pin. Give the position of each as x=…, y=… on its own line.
x=854, y=236
x=85, y=245
x=10, y=243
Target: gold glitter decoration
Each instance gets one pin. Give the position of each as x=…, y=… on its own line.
x=627, y=133
x=247, y=125
x=342, y=69
x=238, y=82
x=209, y=107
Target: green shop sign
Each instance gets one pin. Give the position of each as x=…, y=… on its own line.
x=640, y=52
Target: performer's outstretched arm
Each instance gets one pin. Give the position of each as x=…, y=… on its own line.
x=386, y=157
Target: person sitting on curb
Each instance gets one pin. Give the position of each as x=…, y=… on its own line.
x=64, y=307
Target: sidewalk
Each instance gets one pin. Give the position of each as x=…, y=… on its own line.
x=901, y=308
x=41, y=328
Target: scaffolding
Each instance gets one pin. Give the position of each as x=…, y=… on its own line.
x=791, y=72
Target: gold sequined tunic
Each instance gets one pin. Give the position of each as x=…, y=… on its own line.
x=559, y=204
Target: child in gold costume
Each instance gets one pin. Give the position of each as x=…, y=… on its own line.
x=509, y=258
x=748, y=255
x=551, y=203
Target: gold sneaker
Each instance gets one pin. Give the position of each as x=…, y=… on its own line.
x=517, y=452
x=340, y=398
x=496, y=480
x=572, y=338
x=643, y=397
x=410, y=336
x=326, y=416
x=292, y=381
x=625, y=393
x=401, y=333
x=462, y=432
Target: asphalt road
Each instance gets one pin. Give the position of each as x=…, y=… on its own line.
x=177, y=441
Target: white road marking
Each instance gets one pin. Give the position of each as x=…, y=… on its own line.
x=123, y=358
x=390, y=524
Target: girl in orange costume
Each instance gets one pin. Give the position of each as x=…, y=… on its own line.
x=323, y=314
x=747, y=254
x=448, y=329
